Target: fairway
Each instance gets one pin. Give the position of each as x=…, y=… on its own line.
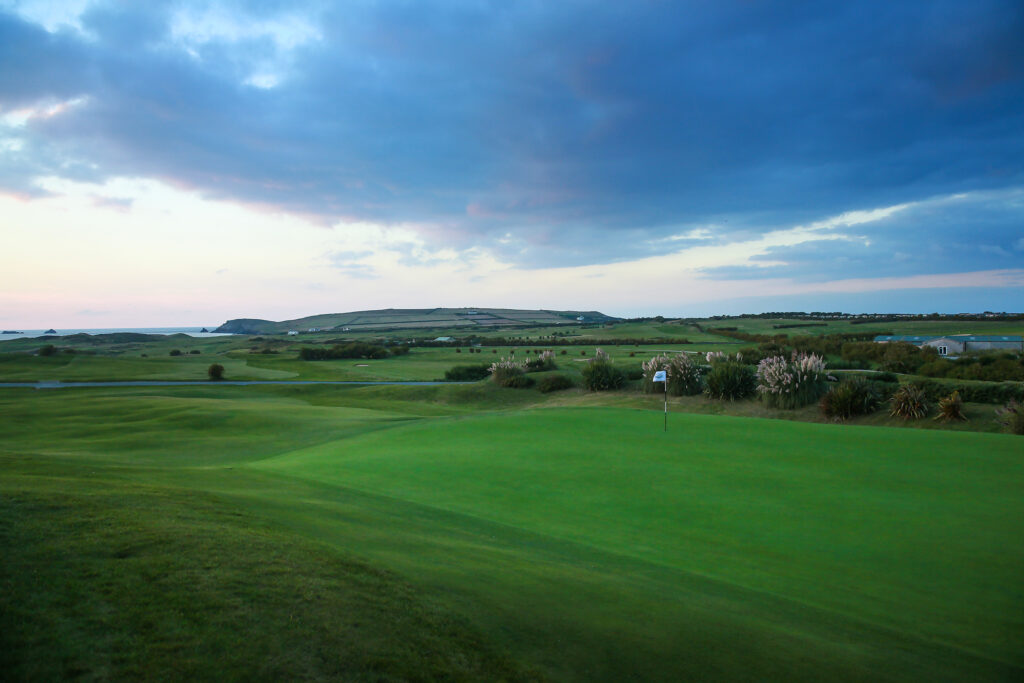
x=562, y=543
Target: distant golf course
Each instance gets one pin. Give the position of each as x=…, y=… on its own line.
x=472, y=532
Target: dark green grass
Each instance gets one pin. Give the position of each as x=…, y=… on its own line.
x=584, y=543
x=116, y=581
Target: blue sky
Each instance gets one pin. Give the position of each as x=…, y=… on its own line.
x=276, y=159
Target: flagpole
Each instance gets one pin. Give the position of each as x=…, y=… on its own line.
x=666, y=405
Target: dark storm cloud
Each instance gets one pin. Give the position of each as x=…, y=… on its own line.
x=587, y=131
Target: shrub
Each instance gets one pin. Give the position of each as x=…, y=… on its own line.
x=47, y=350
x=951, y=408
x=887, y=377
x=730, y=381
x=399, y=350
x=684, y=376
x=847, y=365
x=195, y=352
x=854, y=396
x=175, y=352
x=791, y=383
x=519, y=381
x=542, y=363
x=601, y=375
x=909, y=402
x=508, y=373
x=904, y=358
x=458, y=350
x=554, y=383
x=634, y=374
x=564, y=352
x=468, y=373
x=1011, y=417
x=215, y=371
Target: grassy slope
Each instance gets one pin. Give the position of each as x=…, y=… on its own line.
x=758, y=558
x=112, y=580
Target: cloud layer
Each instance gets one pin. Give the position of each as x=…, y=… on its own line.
x=565, y=133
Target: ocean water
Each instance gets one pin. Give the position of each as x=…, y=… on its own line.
x=190, y=331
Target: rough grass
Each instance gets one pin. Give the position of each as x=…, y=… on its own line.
x=127, y=582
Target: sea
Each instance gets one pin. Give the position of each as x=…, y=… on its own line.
x=190, y=331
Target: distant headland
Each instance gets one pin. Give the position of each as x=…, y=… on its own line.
x=409, y=318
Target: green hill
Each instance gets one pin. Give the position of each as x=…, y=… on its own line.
x=411, y=318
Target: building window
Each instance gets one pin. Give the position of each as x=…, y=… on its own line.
x=942, y=350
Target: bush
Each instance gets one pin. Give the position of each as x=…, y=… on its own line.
x=175, y=352
x=848, y=365
x=468, y=373
x=47, y=350
x=909, y=402
x=195, y=352
x=905, y=358
x=601, y=375
x=730, y=381
x=951, y=408
x=542, y=363
x=854, y=396
x=791, y=383
x=684, y=376
x=399, y=350
x=508, y=373
x=518, y=381
x=1011, y=417
x=215, y=371
x=554, y=383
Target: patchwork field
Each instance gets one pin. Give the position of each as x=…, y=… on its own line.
x=471, y=532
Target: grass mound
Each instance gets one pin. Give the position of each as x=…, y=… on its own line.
x=162, y=585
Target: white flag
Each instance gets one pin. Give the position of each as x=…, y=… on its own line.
x=660, y=376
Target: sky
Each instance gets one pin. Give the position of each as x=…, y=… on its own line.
x=187, y=162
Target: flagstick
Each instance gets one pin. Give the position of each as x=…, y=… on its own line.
x=666, y=405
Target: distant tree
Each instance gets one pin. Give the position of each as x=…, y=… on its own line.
x=215, y=371
x=175, y=352
x=47, y=350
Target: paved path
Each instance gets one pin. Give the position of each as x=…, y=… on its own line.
x=146, y=383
